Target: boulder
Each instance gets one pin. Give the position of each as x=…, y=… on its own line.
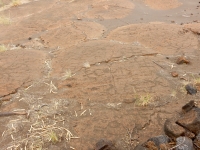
x=184, y=143
x=191, y=121
x=172, y=129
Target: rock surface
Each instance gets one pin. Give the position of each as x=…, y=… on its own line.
x=104, y=144
x=79, y=67
x=184, y=143
x=172, y=129
x=191, y=89
x=191, y=121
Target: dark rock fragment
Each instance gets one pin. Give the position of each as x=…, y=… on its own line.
x=184, y=143
x=190, y=89
x=187, y=107
x=191, y=121
x=104, y=144
x=172, y=129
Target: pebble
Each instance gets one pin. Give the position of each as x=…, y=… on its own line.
x=182, y=60
x=174, y=74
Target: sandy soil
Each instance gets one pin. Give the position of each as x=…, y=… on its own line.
x=84, y=70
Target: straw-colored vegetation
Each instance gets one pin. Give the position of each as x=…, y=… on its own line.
x=144, y=100
x=3, y=48
x=4, y=20
x=16, y=2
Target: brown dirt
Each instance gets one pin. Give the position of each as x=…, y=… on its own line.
x=97, y=69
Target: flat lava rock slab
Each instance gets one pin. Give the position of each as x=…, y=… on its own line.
x=19, y=66
x=73, y=33
x=115, y=71
x=163, y=38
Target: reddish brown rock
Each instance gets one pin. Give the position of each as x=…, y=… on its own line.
x=187, y=107
x=18, y=67
x=172, y=129
x=174, y=74
x=198, y=86
x=146, y=34
x=182, y=60
x=191, y=121
x=151, y=145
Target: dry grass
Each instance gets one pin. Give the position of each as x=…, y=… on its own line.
x=4, y=20
x=16, y=3
x=53, y=137
x=39, y=134
x=68, y=74
x=173, y=94
x=196, y=80
x=144, y=100
x=1, y=3
x=3, y=48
